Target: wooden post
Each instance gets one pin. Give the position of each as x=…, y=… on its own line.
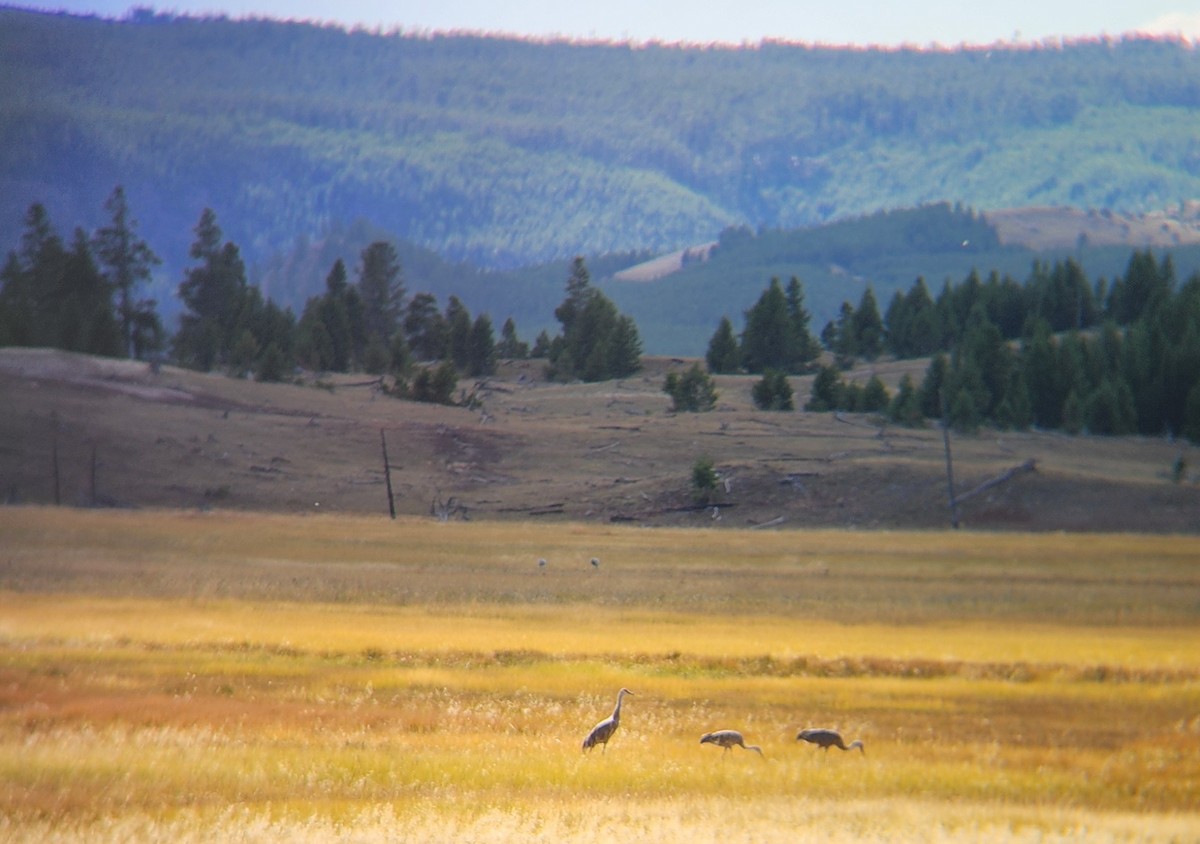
x=387, y=475
x=949, y=466
x=54, y=457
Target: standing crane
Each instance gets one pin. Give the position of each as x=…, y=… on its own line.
x=826, y=739
x=727, y=739
x=603, y=731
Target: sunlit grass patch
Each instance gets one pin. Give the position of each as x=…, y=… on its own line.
x=208, y=706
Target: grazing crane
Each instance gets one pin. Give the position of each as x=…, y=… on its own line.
x=595, y=562
x=826, y=739
x=542, y=563
x=727, y=739
x=603, y=731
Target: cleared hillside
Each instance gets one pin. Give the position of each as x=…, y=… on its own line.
x=610, y=452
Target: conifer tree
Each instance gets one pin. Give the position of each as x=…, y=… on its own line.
x=381, y=288
x=769, y=340
x=723, y=354
x=867, y=327
x=458, y=333
x=597, y=342
x=905, y=406
x=126, y=261
x=425, y=328
x=772, y=391
x=511, y=346
x=806, y=348
x=481, y=347
x=213, y=293
x=85, y=318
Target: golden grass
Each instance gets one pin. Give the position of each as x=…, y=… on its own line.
x=164, y=678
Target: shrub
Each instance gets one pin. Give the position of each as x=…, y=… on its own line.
x=773, y=392
x=693, y=392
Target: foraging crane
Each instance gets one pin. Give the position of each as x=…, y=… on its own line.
x=603, y=731
x=727, y=739
x=595, y=562
x=826, y=739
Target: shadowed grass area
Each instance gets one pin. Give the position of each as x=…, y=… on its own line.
x=163, y=677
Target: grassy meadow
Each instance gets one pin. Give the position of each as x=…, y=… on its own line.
x=196, y=676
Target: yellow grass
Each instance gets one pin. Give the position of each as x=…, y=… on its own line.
x=178, y=677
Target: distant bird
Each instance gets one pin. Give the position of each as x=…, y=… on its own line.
x=603, y=731
x=727, y=739
x=826, y=739
x=595, y=562
x=542, y=563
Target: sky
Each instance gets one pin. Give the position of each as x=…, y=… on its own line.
x=918, y=23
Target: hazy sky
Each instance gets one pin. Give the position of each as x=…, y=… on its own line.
x=863, y=22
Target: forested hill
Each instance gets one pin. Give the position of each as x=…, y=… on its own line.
x=506, y=152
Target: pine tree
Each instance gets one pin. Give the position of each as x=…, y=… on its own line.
x=510, y=345
x=826, y=394
x=875, y=396
x=597, y=342
x=1144, y=285
x=905, y=407
x=806, y=348
x=481, y=347
x=17, y=307
x=769, y=340
x=84, y=305
x=868, y=327
x=772, y=391
x=425, y=328
x=1109, y=409
x=381, y=287
x=33, y=318
x=213, y=293
x=126, y=261
x=723, y=354
x=1038, y=364
x=458, y=333
x=933, y=387
x=625, y=348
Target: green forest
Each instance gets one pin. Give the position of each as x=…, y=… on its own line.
x=1057, y=351
x=293, y=132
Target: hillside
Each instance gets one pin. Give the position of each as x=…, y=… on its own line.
x=457, y=144
x=129, y=436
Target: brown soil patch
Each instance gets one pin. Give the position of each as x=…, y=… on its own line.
x=129, y=435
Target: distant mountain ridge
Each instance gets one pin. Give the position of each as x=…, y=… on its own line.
x=507, y=152
x=485, y=156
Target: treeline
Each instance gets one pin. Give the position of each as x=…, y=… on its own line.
x=84, y=298
x=1057, y=352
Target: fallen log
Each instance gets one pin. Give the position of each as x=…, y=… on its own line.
x=1029, y=465
x=776, y=521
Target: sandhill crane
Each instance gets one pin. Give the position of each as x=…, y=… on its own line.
x=542, y=563
x=603, y=731
x=727, y=739
x=826, y=739
x=595, y=562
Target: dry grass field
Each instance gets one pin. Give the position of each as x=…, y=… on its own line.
x=172, y=675
x=238, y=643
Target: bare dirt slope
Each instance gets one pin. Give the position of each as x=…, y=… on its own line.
x=126, y=435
